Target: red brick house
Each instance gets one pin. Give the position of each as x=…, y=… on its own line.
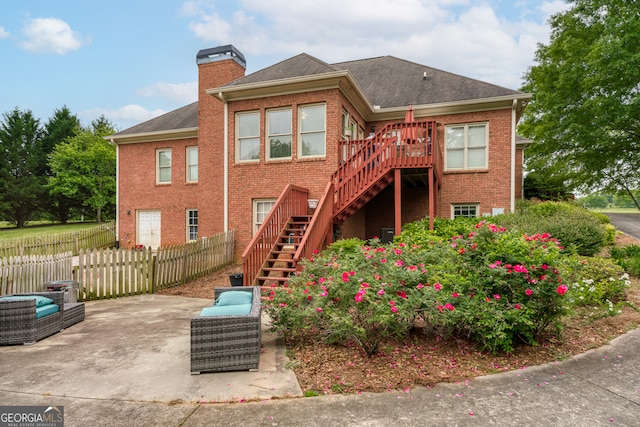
x=303, y=151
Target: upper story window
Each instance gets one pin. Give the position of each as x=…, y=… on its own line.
x=163, y=166
x=466, y=146
x=279, y=134
x=192, y=164
x=248, y=136
x=312, y=131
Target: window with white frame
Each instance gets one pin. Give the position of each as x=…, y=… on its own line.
x=279, y=134
x=192, y=164
x=261, y=208
x=468, y=210
x=466, y=146
x=248, y=136
x=312, y=131
x=192, y=224
x=163, y=166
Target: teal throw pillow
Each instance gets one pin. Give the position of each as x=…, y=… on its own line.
x=234, y=298
x=40, y=300
x=226, y=310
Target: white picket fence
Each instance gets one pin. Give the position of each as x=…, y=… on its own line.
x=19, y=274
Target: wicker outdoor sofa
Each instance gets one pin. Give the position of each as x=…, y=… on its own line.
x=227, y=342
x=18, y=322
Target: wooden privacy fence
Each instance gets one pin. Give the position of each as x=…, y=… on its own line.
x=102, y=235
x=21, y=274
x=178, y=264
x=110, y=273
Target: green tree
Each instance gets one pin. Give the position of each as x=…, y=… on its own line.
x=21, y=185
x=594, y=201
x=61, y=126
x=584, y=115
x=84, y=169
x=544, y=187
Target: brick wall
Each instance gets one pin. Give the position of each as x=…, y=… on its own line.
x=138, y=190
x=211, y=143
x=267, y=179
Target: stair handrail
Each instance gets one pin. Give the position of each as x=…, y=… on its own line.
x=291, y=202
x=319, y=232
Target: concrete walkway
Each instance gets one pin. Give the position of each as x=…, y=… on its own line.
x=127, y=364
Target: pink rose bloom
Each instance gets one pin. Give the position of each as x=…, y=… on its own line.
x=319, y=309
x=437, y=286
x=562, y=289
x=528, y=292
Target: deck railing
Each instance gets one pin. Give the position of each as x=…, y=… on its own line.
x=292, y=202
x=320, y=230
x=364, y=162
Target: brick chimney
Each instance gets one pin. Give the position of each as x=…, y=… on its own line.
x=216, y=67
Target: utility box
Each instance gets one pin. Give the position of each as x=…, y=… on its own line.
x=387, y=235
x=70, y=288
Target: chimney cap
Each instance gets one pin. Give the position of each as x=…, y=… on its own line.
x=220, y=53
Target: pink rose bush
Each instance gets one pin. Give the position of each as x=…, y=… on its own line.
x=495, y=286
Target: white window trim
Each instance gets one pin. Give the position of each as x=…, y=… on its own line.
x=254, y=219
x=189, y=166
x=300, y=133
x=267, y=139
x=475, y=206
x=239, y=140
x=158, y=151
x=466, y=147
x=187, y=218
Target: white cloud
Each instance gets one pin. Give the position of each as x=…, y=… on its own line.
x=179, y=92
x=461, y=36
x=51, y=35
x=3, y=33
x=127, y=115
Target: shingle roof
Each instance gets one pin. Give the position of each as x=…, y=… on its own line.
x=386, y=81
x=182, y=118
x=392, y=82
x=297, y=66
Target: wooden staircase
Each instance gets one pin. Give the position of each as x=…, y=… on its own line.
x=281, y=264
x=366, y=168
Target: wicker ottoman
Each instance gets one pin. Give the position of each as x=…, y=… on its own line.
x=72, y=314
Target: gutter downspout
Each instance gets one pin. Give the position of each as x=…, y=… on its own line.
x=226, y=164
x=117, y=190
x=512, y=208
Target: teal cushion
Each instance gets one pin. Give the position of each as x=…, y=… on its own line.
x=234, y=298
x=226, y=310
x=46, y=310
x=40, y=300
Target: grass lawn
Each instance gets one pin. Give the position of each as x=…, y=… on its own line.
x=7, y=231
x=618, y=210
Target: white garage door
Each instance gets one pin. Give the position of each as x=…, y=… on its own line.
x=149, y=228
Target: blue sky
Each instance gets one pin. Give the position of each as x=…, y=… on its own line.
x=134, y=60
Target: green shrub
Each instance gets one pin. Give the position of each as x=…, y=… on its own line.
x=418, y=233
x=494, y=286
x=628, y=257
x=578, y=230
x=594, y=281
